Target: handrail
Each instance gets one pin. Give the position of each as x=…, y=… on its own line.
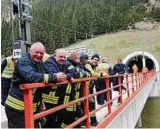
x=140, y=79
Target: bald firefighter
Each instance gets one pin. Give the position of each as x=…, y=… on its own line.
x=56, y=95
x=28, y=69
x=73, y=68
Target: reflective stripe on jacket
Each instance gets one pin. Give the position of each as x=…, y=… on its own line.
x=8, y=70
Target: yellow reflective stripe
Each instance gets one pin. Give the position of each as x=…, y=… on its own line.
x=63, y=125
x=93, y=115
x=81, y=75
x=52, y=100
x=49, y=101
x=50, y=97
x=54, y=87
x=34, y=104
x=79, y=103
x=70, y=108
x=68, y=90
x=11, y=63
x=77, y=95
x=13, y=105
x=78, y=85
x=66, y=99
x=8, y=71
x=46, y=78
x=17, y=104
x=34, y=90
x=34, y=107
x=21, y=103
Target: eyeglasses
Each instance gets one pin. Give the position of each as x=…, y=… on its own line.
x=96, y=59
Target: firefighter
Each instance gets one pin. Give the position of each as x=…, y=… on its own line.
x=83, y=61
x=105, y=70
x=56, y=95
x=28, y=69
x=92, y=66
x=119, y=68
x=75, y=110
x=7, y=68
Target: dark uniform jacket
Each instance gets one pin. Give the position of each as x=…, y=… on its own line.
x=26, y=71
x=119, y=68
x=55, y=95
x=76, y=70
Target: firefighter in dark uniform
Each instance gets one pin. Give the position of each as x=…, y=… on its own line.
x=74, y=111
x=92, y=66
x=83, y=61
x=118, y=68
x=7, y=68
x=28, y=69
x=56, y=95
x=105, y=70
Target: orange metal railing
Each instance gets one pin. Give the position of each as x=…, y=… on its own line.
x=135, y=81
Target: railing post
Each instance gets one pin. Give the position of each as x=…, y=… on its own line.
x=140, y=74
x=127, y=83
x=136, y=79
x=108, y=94
x=144, y=77
x=120, y=88
x=139, y=79
x=86, y=103
x=28, y=109
x=132, y=83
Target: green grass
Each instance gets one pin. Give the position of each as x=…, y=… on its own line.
x=122, y=43
x=151, y=114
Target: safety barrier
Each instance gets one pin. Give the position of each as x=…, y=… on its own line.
x=133, y=82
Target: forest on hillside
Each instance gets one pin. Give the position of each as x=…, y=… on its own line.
x=59, y=23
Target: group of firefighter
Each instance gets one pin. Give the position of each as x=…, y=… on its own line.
x=37, y=66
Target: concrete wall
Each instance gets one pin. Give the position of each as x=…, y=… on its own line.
x=130, y=114
x=155, y=92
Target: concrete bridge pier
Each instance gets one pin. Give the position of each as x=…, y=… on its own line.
x=139, y=122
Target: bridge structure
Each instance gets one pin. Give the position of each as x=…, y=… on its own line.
x=126, y=114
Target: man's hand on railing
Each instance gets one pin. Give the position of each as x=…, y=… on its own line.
x=61, y=77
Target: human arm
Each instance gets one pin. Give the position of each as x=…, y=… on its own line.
x=3, y=65
x=30, y=73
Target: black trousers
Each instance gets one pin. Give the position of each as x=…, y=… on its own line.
x=101, y=85
x=52, y=120
x=92, y=104
x=5, y=86
x=16, y=119
x=60, y=118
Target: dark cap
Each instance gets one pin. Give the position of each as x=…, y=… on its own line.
x=84, y=56
x=95, y=56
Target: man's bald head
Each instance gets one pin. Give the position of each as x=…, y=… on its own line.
x=37, y=45
x=119, y=60
x=60, y=56
x=37, y=51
